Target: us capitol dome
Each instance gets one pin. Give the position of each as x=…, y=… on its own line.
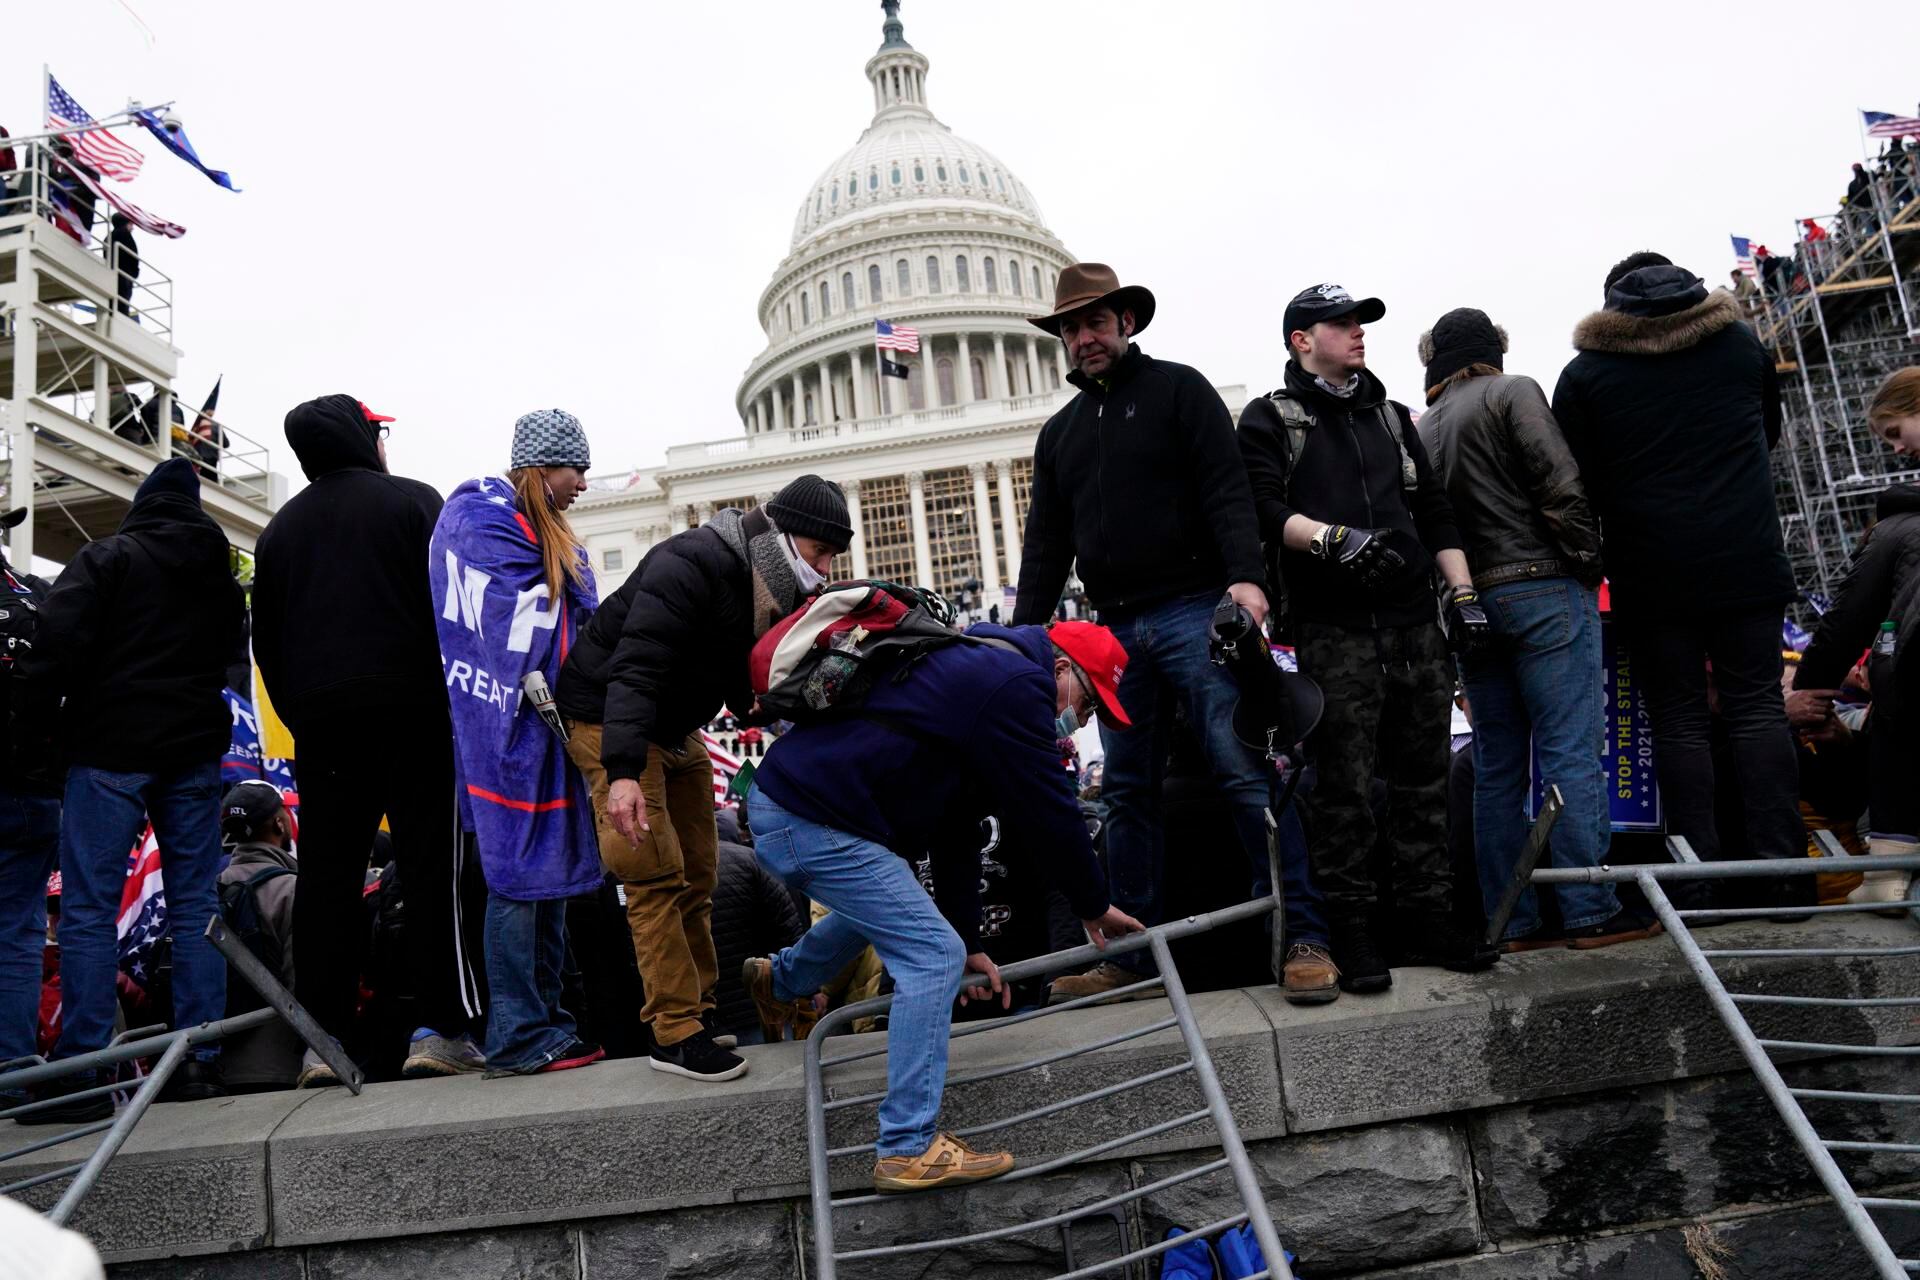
x=920, y=228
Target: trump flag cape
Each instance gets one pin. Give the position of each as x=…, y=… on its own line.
x=519, y=794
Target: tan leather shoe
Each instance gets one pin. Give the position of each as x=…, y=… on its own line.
x=1097, y=981
x=946, y=1162
x=1310, y=975
x=778, y=1016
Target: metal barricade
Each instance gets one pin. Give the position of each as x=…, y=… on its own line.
x=172, y=1046
x=1758, y=1052
x=1197, y=1063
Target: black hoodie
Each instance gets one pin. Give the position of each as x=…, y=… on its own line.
x=136, y=636
x=342, y=613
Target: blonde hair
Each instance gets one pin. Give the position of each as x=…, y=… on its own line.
x=560, y=547
x=1898, y=397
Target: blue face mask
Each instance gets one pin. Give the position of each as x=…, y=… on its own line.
x=1068, y=723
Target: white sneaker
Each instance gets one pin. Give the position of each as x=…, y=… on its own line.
x=1884, y=886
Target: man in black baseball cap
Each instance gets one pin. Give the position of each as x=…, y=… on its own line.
x=1324, y=303
x=248, y=811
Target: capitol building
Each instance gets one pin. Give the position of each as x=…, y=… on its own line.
x=919, y=227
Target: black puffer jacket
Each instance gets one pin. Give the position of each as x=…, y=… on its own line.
x=1139, y=481
x=752, y=916
x=1349, y=472
x=1671, y=408
x=1515, y=489
x=1882, y=584
x=136, y=635
x=665, y=652
x=342, y=612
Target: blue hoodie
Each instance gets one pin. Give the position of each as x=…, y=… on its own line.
x=981, y=714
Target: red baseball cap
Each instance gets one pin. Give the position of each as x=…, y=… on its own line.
x=372, y=416
x=1101, y=660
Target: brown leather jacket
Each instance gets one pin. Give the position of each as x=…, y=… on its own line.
x=1515, y=488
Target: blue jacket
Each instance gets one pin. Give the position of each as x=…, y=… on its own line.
x=982, y=735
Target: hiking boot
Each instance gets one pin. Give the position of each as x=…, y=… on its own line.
x=946, y=1162
x=80, y=1110
x=777, y=1016
x=1310, y=976
x=432, y=1054
x=1097, y=981
x=1363, y=970
x=1435, y=938
x=1624, y=925
x=710, y=1023
x=697, y=1058
x=314, y=1072
x=195, y=1080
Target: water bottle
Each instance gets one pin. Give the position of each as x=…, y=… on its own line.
x=1883, y=643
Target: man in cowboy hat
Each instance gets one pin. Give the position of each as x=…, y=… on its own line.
x=1137, y=482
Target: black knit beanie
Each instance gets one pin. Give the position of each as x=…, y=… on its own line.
x=1462, y=337
x=813, y=508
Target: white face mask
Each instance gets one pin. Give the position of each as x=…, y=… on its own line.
x=809, y=578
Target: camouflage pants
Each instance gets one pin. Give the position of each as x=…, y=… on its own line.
x=1389, y=698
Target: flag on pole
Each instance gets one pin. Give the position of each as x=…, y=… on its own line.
x=175, y=140
x=893, y=369
x=895, y=337
x=1884, y=124
x=135, y=214
x=213, y=398
x=725, y=766
x=96, y=146
x=1743, y=255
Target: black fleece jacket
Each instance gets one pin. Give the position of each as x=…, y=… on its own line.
x=1349, y=472
x=342, y=612
x=1139, y=480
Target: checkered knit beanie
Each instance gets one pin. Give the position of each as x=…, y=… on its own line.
x=549, y=438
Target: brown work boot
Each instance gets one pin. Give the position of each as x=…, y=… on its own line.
x=947, y=1161
x=778, y=1016
x=1310, y=976
x=1097, y=981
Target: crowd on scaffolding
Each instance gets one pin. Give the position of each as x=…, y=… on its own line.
x=499, y=846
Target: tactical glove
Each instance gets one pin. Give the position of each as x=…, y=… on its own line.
x=1469, y=630
x=1365, y=554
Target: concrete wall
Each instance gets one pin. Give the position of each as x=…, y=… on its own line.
x=1565, y=1114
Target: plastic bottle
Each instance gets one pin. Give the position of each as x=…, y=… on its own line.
x=1883, y=643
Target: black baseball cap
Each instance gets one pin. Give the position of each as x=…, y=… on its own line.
x=1329, y=302
x=248, y=806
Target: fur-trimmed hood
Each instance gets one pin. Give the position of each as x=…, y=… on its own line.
x=1623, y=334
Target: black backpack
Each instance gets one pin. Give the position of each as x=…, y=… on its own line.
x=240, y=908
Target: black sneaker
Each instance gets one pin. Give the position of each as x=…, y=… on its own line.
x=195, y=1081
x=1625, y=925
x=1363, y=970
x=80, y=1110
x=697, y=1058
x=710, y=1023
x=1437, y=939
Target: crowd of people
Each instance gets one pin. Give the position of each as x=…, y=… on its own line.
x=508, y=826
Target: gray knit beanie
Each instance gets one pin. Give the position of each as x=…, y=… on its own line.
x=549, y=438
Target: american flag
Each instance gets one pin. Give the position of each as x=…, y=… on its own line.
x=725, y=765
x=1884, y=124
x=96, y=146
x=135, y=214
x=895, y=337
x=143, y=909
x=1743, y=255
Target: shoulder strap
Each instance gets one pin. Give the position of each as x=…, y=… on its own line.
x=1390, y=418
x=1295, y=419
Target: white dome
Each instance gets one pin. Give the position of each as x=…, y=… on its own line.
x=905, y=160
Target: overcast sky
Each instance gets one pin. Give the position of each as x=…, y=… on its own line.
x=459, y=212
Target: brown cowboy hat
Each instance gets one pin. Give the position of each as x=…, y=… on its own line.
x=1087, y=284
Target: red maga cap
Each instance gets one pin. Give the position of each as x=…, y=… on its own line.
x=1101, y=659
x=372, y=416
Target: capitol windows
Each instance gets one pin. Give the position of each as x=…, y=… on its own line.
x=873, y=179
x=873, y=282
x=806, y=310
x=817, y=206
x=961, y=281
x=846, y=291
x=894, y=173
x=853, y=185
x=1013, y=276
x=809, y=403
x=789, y=324
x=919, y=172
x=933, y=274
x=964, y=179
x=986, y=274
x=825, y=297
x=905, y=278
x=1036, y=284
x=979, y=375
x=613, y=559
x=943, y=375
x=833, y=196
x=1000, y=181
x=940, y=170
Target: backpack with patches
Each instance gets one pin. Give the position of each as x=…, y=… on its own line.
x=821, y=661
x=240, y=908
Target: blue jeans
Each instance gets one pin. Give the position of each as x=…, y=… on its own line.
x=1541, y=681
x=100, y=821
x=875, y=898
x=526, y=946
x=1166, y=648
x=29, y=851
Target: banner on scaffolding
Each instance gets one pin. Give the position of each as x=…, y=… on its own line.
x=1626, y=754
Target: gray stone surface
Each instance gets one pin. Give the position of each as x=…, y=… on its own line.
x=740, y=1242
x=530, y=1253
x=1339, y=1200
x=1576, y=1166
x=192, y=1179
x=258, y=1264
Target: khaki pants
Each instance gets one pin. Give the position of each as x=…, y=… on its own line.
x=668, y=875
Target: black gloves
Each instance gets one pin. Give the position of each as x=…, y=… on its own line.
x=1587, y=569
x=1365, y=554
x=1469, y=631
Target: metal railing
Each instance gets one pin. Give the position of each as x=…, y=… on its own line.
x=172, y=1046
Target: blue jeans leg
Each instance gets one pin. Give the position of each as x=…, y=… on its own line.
x=526, y=943
x=872, y=894
x=185, y=808
x=1135, y=769
x=29, y=851
x=99, y=821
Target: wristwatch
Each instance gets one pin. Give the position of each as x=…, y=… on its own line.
x=1317, y=544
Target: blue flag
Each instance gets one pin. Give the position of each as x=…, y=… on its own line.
x=175, y=140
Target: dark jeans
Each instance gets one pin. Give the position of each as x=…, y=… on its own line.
x=100, y=821
x=352, y=770
x=1166, y=648
x=526, y=947
x=1672, y=655
x=29, y=851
